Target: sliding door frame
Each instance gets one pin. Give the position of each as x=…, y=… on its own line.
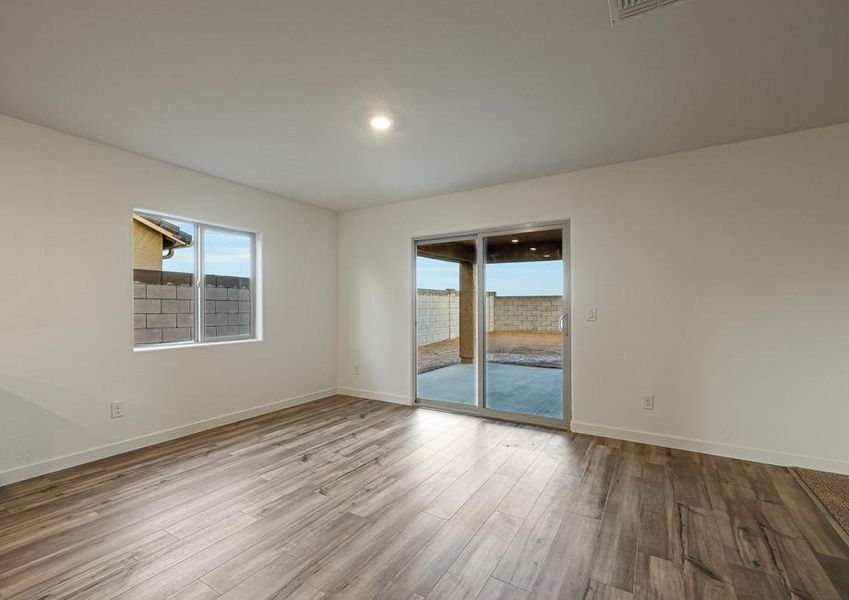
x=454, y=406
x=479, y=408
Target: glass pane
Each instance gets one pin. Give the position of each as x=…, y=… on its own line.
x=163, y=290
x=227, y=267
x=446, y=322
x=524, y=339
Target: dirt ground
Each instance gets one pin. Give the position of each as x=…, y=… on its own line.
x=506, y=347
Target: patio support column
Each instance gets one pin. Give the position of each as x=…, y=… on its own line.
x=467, y=312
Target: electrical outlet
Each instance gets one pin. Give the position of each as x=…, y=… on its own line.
x=592, y=314
x=116, y=409
x=648, y=402
x=25, y=456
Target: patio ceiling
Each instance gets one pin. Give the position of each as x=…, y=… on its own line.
x=532, y=246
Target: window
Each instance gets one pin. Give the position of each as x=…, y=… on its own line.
x=171, y=258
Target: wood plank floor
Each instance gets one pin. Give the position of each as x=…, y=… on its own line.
x=348, y=498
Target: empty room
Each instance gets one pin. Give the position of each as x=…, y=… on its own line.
x=396, y=300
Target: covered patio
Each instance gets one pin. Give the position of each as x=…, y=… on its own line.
x=533, y=391
x=524, y=373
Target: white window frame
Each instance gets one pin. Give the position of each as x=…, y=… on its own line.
x=199, y=228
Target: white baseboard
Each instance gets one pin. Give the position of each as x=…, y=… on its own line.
x=77, y=458
x=668, y=441
x=729, y=450
x=371, y=395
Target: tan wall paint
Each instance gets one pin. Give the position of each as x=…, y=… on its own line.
x=147, y=247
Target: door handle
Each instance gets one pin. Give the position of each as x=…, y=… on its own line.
x=563, y=324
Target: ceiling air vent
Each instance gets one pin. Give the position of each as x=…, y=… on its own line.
x=627, y=9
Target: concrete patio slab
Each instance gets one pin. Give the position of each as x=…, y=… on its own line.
x=510, y=388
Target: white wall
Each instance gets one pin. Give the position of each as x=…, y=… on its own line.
x=65, y=209
x=721, y=278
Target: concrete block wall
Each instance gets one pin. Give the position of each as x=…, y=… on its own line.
x=437, y=314
x=163, y=307
x=227, y=306
x=538, y=314
x=164, y=311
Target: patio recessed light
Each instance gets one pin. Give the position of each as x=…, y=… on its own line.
x=546, y=255
x=381, y=122
x=515, y=241
x=533, y=249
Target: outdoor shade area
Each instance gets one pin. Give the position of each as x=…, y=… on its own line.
x=535, y=391
x=524, y=373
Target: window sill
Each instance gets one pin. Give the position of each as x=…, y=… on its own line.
x=180, y=345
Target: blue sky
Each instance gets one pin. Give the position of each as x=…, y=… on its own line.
x=226, y=254
x=544, y=278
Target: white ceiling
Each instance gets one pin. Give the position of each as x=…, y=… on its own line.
x=275, y=94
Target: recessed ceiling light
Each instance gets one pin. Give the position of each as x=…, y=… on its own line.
x=381, y=122
x=533, y=249
x=546, y=255
x=515, y=241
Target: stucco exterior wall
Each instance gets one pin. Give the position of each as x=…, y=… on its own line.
x=147, y=248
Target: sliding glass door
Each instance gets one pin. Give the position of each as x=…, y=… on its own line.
x=524, y=323
x=446, y=307
x=501, y=296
